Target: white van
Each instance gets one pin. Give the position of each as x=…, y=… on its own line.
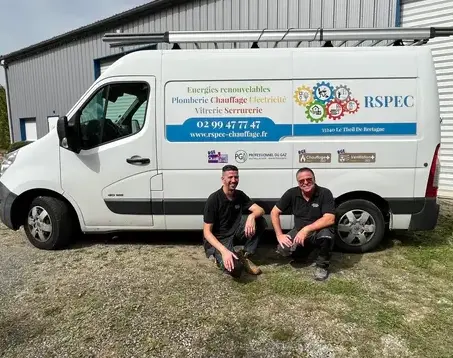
x=144, y=146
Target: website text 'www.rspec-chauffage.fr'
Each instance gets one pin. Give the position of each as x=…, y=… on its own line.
x=245, y=134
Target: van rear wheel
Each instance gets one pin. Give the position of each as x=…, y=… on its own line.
x=360, y=226
x=48, y=224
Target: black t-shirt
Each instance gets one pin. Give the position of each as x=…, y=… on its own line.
x=225, y=214
x=306, y=212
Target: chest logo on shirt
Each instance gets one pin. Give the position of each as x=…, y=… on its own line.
x=315, y=205
x=237, y=206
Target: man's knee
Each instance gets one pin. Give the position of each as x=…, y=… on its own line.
x=326, y=236
x=261, y=225
x=292, y=233
x=327, y=233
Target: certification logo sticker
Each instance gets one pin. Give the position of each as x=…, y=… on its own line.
x=241, y=156
x=217, y=157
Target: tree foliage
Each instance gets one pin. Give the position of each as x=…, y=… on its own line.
x=4, y=127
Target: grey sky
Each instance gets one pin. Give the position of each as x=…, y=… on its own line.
x=26, y=22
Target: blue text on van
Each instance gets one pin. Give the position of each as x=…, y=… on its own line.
x=389, y=101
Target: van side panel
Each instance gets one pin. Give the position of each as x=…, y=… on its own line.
x=428, y=117
x=355, y=122
x=363, y=119
x=230, y=108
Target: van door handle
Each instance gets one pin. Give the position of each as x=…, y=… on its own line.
x=137, y=160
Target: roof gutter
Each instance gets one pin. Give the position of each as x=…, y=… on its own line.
x=90, y=30
x=8, y=103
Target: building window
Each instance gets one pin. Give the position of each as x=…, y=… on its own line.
x=28, y=129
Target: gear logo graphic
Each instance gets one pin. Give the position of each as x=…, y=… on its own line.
x=316, y=112
x=323, y=92
x=335, y=109
x=342, y=93
x=303, y=95
x=351, y=106
x=326, y=100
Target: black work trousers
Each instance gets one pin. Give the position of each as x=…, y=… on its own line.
x=323, y=240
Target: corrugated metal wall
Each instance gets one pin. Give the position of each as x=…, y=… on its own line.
x=438, y=13
x=49, y=84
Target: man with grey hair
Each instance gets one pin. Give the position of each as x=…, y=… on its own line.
x=313, y=208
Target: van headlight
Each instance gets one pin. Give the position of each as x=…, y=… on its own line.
x=8, y=160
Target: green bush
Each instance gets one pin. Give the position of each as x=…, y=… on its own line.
x=17, y=145
x=4, y=126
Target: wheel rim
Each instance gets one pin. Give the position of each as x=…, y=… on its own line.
x=39, y=224
x=356, y=227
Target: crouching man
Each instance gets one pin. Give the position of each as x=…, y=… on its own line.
x=313, y=208
x=226, y=226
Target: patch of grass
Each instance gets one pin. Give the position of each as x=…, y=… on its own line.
x=52, y=311
x=286, y=283
x=102, y=255
x=381, y=317
x=388, y=319
x=282, y=334
x=436, y=326
x=337, y=286
x=132, y=300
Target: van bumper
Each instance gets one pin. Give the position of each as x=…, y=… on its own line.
x=7, y=199
x=426, y=218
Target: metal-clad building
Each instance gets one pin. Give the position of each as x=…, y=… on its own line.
x=46, y=79
x=424, y=13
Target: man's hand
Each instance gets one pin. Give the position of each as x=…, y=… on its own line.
x=250, y=226
x=227, y=258
x=284, y=240
x=300, y=237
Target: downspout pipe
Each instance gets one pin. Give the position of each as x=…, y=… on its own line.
x=8, y=103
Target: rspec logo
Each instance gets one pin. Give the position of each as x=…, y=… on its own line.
x=241, y=156
x=389, y=101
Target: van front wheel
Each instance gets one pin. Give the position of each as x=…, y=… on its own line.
x=48, y=224
x=360, y=226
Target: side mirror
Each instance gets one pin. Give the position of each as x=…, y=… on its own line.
x=68, y=133
x=62, y=130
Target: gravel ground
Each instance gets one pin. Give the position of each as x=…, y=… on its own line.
x=138, y=297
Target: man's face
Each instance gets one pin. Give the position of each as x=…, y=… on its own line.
x=306, y=181
x=230, y=179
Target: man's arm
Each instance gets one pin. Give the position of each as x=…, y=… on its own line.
x=325, y=221
x=209, y=236
x=209, y=218
x=275, y=219
x=279, y=207
x=283, y=204
x=256, y=211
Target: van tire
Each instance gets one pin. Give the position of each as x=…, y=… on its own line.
x=375, y=220
x=49, y=218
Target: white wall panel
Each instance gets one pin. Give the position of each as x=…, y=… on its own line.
x=425, y=13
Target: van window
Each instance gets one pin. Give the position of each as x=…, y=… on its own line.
x=113, y=112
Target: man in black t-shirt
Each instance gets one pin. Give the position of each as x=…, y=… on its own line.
x=313, y=208
x=227, y=224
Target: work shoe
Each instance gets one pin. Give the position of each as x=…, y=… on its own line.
x=237, y=270
x=320, y=273
x=249, y=266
